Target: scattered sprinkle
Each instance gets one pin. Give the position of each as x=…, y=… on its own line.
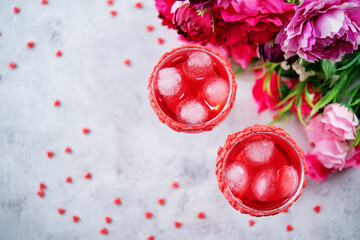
x=50, y=154
x=104, y=231
x=289, y=228
x=61, y=211
x=12, y=65
x=16, y=10
x=117, y=201
x=68, y=150
x=86, y=131
x=251, y=222
x=44, y=2
x=108, y=220
x=110, y=2
x=177, y=224
x=151, y=237
x=69, y=180
x=75, y=218
x=161, y=201
x=161, y=40
x=59, y=53
x=139, y=5
x=30, y=45
x=127, y=62
x=201, y=215
x=113, y=13
x=57, y=103
x=148, y=215
x=149, y=28
x=41, y=193
x=175, y=185
x=87, y=175
x=42, y=186
x=317, y=208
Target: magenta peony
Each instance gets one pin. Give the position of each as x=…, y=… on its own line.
x=323, y=30
x=164, y=8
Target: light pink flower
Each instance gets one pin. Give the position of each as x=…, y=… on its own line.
x=317, y=171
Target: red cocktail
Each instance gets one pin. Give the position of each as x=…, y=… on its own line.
x=261, y=170
x=192, y=88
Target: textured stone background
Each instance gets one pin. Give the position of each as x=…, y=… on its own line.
x=129, y=152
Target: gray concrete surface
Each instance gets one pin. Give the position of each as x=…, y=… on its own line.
x=129, y=152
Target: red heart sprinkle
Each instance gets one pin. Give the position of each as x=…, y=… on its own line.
x=148, y=215
x=75, y=218
x=16, y=10
x=69, y=180
x=87, y=175
x=138, y=5
x=151, y=237
x=44, y=2
x=317, y=208
x=50, y=154
x=251, y=222
x=59, y=53
x=104, y=231
x=161, y=201
x=113, y=13
x=68, y=150
x=161, y=40
x=175, y=185
x=150, y=28
x=110, y=2
x=12, y=65
x=201, y=215
x=127, y=62
x=57, y=103
x=177, y=224
x=289, y=228
x=86, y=131
x=41, y=194
x=61, y=211
x=42, y=186
x=108, y=219
x=30, y=44
x=117, y=201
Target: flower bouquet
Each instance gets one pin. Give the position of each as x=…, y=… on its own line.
x=306, y=60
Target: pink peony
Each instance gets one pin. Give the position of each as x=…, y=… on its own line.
x=323, y=30
x=317, y=171
x=164, y=8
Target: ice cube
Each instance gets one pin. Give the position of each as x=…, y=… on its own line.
x=237, y=178
x=264, y=185
x=216, y=91
x=193, y=112
x=259, y=151
x=169, y=81
x=288, y=181
x=198, y=66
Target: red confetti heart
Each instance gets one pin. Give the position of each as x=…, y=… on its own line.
x=113, y=13
x=104, y=231
x=30, y=44
x=41, y=194
x=86, y=131
x=148, y=215
x=175, y=185
x=201, y=215
x=289, y=228
x=87, y=175
x=151, y=237
x=177, y=224
x=150, y=28
x=69, y=180
x=108, y=220
x=42, y=186
x=127, y=62
x=57, y=103
x=75, y=218
x=16, y=10
x=61, y=211
x=251, y=222
x=161, y=40
x=44, y=2
x=138, y=5
x=50, y=154
x=110, y=2
x=12, y=65
x=59, y=53
x=317, y=208
x=68, y=150
x=117, y=201
x=161, y=201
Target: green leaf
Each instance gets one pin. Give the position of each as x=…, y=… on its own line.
x=357, y=139
x=328, y=67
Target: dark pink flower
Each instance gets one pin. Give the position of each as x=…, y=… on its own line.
x=201, y=4
x=316, y=170
x=164, y=8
